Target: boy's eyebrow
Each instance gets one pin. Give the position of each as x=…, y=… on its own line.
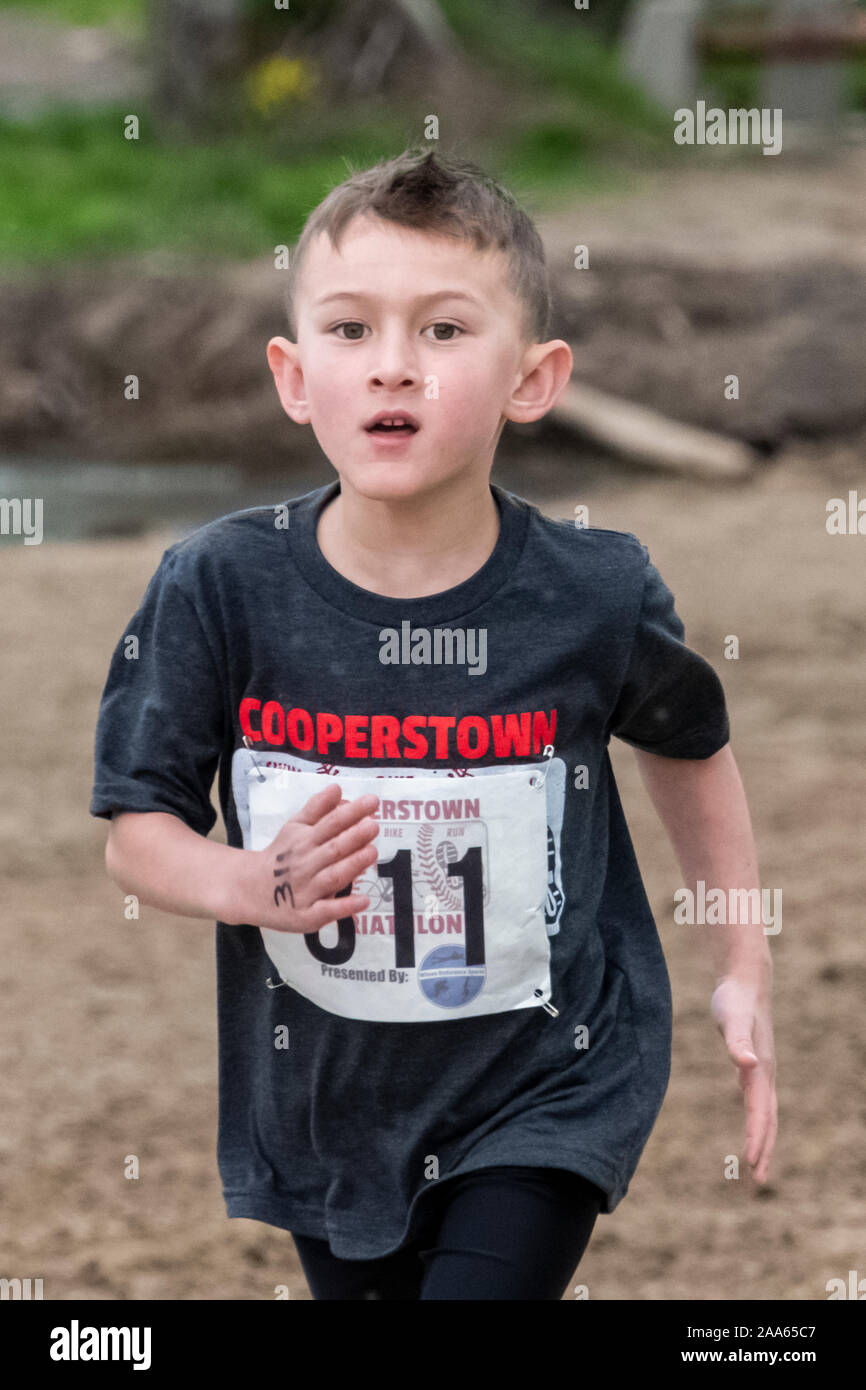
x=363, y=297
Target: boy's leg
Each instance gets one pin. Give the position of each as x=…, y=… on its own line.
x=396, y=1276
x=497, y=1233
x=509, y=1233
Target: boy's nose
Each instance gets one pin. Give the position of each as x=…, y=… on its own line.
x=389, y=378
x=395, y=363
x=395, y=378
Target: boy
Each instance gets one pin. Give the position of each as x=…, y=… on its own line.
x=460, y=1055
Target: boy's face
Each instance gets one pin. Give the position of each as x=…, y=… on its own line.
x=399, y=320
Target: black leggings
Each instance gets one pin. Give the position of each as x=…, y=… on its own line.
x=495, y=1233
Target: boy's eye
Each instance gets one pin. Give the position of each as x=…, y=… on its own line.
x=453, y=326
x=356, y=337
x=352, y=337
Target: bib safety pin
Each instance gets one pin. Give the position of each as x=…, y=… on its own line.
x=539, y=781
x=248, y=743
x=279, y=986
x=545, y=1005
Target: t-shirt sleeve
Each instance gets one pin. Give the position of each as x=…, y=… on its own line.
x=161, y=719
x=672, y=702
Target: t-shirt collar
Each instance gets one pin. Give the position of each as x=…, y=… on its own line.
x=361, y=603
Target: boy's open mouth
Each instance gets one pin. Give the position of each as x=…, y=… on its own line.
x=394, y=422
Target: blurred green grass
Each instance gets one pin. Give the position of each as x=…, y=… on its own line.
x=71, y=186
x=125, y=15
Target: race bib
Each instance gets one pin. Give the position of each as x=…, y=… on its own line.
x=455, y=927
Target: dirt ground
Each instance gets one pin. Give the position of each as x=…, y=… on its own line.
x=108, y=1036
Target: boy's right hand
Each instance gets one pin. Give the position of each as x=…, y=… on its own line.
x=291, y=885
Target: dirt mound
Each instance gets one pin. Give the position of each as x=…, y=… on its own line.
x=669, y=335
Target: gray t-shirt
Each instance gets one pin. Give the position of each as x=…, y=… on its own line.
x=337, y=1117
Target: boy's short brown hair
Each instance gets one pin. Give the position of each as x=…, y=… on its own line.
x=431, y=192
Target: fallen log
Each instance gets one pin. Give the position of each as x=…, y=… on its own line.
x=647, y=438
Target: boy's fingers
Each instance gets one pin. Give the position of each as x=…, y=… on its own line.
x=344, y=847
x=740, y=1046
x=760, y=1125
x=338, y=818
x=761, y=1162
x=768, y=1137
x=332, y=877
x=759, y=1156
x=325, y=911
x=756, y=1083
x=769, y=1144
x=756, y=1120
x=329, y=910
x=318, y=806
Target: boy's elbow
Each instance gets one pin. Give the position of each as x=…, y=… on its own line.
x=111, y=856
x=113, y=853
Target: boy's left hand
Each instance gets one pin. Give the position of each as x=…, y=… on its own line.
x=742, y=1011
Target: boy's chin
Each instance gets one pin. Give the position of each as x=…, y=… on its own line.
x=381, y=479
x=403, y=478
x=384, y=490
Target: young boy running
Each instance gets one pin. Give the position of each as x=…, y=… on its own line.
x=444, y=1010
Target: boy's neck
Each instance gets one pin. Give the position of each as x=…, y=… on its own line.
x=398, y=555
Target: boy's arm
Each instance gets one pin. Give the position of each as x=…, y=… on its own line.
x=299, y=883
x=168, y=865
x=702, y=805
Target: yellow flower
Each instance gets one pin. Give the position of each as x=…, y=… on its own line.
x=279, y=82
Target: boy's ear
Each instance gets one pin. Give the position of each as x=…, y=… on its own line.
x=285, y=364
x=545, y=373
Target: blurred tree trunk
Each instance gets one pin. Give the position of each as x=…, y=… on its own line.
x=193, y=44
x=659, y=49
x=372, y=46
